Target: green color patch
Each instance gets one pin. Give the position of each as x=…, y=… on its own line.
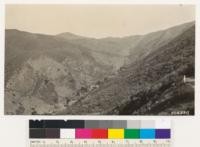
x=131, y=133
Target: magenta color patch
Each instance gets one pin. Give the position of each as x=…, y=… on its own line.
x=83, y=133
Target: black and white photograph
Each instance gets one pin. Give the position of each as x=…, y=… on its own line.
x=99, y=59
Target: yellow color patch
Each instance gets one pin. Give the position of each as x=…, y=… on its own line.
x=115, y=133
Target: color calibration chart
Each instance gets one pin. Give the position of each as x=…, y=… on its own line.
x=99, y=133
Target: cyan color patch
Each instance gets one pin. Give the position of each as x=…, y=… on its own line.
x=147, y=133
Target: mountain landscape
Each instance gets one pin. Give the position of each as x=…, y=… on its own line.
x=71, y=74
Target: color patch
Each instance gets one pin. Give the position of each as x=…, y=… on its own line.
x=163, y=124
x=132, y=133
x=83, y=133
x=67, y=133
x=147, y=133
x=119, y=124
x=163, y=133
x=37, y=133
x=54, y=123
x=52, y=133
x=133, y=124
x=147, y=124
x=105, y=124
x=91, y=124
x=115, y=133
x=100, y=133
x=36, y=124
x=75, y=124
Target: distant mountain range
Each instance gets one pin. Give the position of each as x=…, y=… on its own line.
x=71, y=74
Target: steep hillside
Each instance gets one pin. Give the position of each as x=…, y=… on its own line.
x=119, y=51
x=151, y=85
x=46, y=68
x=71, y=74
x=108, y=51
x=152, y=41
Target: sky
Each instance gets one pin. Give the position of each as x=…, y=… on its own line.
x=96, y=20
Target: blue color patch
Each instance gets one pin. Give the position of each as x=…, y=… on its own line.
x=147, y=133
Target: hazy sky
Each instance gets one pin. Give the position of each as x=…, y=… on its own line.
x=96, y=20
